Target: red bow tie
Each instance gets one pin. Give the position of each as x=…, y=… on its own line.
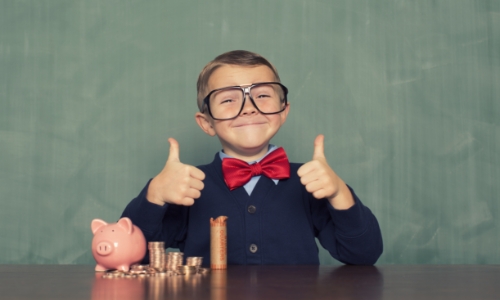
x=237, y=172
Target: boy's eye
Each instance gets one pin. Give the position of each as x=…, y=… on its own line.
x=262, y=92
x=226, y=97
x=263, y=96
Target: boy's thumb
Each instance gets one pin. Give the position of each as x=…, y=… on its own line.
x=319, y=148
x=174, y=150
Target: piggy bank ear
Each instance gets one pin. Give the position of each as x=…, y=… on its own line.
x=126, y=224
x=96, y=224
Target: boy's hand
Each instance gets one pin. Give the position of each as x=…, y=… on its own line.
x=177, y=183
x=321, y=181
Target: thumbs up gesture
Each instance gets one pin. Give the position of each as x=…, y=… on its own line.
x=177, y=183
x=321, y=181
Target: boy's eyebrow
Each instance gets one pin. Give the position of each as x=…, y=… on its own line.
x=236, y=85
x=243, y=85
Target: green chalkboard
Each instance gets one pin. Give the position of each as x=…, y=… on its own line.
x=406, y=92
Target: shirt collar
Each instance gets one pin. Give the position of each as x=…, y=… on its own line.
x=271, y=148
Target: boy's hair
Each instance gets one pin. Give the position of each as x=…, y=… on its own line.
x=236, y=57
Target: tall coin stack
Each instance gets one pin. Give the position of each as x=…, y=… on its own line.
x=157, y=255
x=174, y=259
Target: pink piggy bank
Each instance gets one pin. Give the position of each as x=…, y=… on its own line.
x=117, y=245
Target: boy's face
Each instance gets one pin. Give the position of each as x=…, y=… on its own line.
x=247, y=136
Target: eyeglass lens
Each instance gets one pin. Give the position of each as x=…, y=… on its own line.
x=227, y=103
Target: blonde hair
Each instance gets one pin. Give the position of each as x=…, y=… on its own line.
x=236, y=57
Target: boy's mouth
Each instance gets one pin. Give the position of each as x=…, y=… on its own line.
x=248, y=124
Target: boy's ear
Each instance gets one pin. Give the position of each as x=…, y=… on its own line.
x=205, y=123
x=284, y=114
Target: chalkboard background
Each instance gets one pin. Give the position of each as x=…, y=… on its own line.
x=406, y=92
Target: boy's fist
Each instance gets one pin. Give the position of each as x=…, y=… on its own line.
x=177, y=183
x=321, y=181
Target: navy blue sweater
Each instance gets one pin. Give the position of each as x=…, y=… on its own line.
x=280, y=228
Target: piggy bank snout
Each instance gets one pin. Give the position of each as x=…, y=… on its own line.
x=104, y=248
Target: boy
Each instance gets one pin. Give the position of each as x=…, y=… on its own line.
x=276, y=209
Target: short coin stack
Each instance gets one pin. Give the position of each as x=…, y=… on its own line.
x=193, y=265
x=118, y=274
x=134, y=272
x=174, y=259
x=194, y=261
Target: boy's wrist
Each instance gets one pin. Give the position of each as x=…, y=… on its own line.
x=150, y=195
x=343, y=199
x=154, y=200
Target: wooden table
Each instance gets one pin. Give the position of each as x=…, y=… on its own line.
x=258, y=282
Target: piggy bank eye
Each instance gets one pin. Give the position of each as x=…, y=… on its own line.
x=113, y=230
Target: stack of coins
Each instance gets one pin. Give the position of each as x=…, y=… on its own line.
x=174, y=259
x=139, y=270
x=114, y=274
x=157, y=256
x=123, y=274
x=187, y=270
x=194, y=261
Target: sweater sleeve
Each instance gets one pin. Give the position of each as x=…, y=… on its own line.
x=158, y=223
x=352, y=236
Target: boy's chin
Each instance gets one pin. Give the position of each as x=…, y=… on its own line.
x=249, y=149
x=252, y=142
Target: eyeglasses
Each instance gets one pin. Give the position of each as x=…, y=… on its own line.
x=227, y=103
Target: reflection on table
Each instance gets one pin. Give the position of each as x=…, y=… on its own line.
x=258, y=282
x=247, y=283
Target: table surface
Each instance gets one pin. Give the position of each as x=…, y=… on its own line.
x=258, y=282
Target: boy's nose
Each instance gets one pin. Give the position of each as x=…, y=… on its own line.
x=248, y=107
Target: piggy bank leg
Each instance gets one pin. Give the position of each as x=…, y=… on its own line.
x=123, y=268
x=100, y=268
